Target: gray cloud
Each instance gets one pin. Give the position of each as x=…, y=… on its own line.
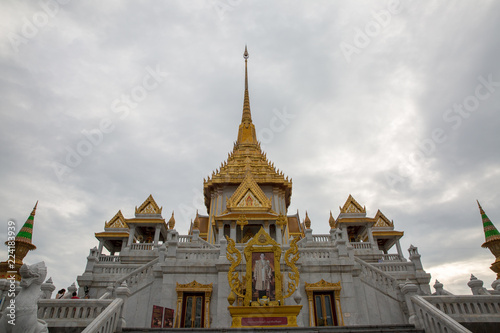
x=354, y=122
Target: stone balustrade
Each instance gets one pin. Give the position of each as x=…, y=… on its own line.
x=136, y=276
x=104, y=258
x=114, y=269
x=378, y=279
x=184, y=238
x=361, y=245
x=142, y=246
x=315, y=253
x=431, y=319
x=198, y=254
x=108, y=320
x=396, y=267
x=71, y=312
x=468, y=308
x=321, y=238
x=391, y=257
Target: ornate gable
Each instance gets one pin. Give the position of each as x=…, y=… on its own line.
x=248, y=197
x=118, y=221
x=148, y=207
x=352, y=206
x=382, y=221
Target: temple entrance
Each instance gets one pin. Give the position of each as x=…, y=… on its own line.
x=324, y=303
x=193, y=305
x=324, y=309
x=192, y=310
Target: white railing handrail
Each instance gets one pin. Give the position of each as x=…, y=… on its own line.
x=396, y=266
x=321, y=238
x=136, y=271
x=361, y=245
x=433, y=320
x=391, y=283
x=107, y=321
x=206, y=244
x=466, y=305
x=64, y=310
x=184, y=238
x=105, y=258
x=142, y=246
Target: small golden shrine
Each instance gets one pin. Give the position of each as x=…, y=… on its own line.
x=260, y=295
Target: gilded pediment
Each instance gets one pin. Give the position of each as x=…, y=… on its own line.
x=248, y=197
x=382, y=221
x=148, y=207
x=118, y=221
x=352, y=206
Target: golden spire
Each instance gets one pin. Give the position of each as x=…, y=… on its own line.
x=246, y=132
x=171, y=222
x=331, y=221
x=307, y=221
x=196, y=223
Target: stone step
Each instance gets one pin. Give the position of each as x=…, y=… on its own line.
x=337, y=329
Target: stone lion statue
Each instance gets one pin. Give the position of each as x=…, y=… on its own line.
x=23, y=317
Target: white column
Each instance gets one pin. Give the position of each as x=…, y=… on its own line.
x=398, y=247
x=233, y=231
x=157, y=235
x=131, y=235
x=99, y=249
x=279, y=236
x=221, y=230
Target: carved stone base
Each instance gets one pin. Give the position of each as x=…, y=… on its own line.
x=264, y=316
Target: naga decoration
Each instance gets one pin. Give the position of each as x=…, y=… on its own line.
x=281, y=221
x=291, y=257
x=234, y=257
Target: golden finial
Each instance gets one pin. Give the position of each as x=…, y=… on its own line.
x=331, y=221
x=171, y=222
x=196, y=223
x=242, y=221
x=307, y=221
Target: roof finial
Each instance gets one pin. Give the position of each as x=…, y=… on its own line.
x=246, y=102
x=246, y=131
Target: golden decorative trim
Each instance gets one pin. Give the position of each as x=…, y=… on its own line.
x=242, y=221
x=291, y=257
x=352, y=206
x=281, y=221
x=111, y=234
x=382, y=220
x=262, y=242
x=194, y=287
x=243, y=199
x=118, y=221
x=234, y=257
x=149, y=206
x=324, y=286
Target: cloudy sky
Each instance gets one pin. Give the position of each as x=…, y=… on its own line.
x=398, y=104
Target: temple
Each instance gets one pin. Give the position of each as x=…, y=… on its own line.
x=250, y=263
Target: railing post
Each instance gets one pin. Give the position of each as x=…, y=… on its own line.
x=47, y=289
x=172, y=245
x=476, y=286
x=92, y=259
x=123, y=293
x=309, y=237
x=409, y=290
x=161, y=253
x=222, y=248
